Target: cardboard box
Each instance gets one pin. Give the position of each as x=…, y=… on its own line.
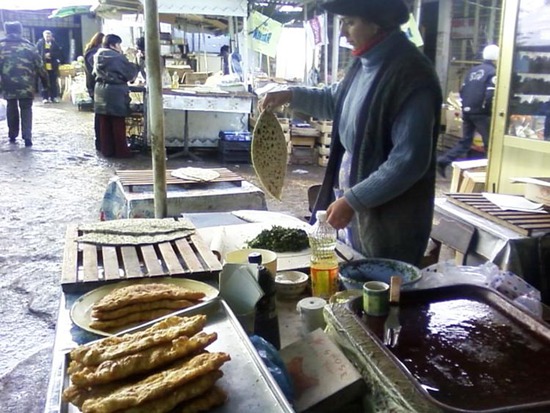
x=324, y=379
x=536, y=189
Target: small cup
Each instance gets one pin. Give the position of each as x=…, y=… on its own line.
x=376, y=296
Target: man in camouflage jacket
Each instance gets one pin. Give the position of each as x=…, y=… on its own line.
x=20, y=64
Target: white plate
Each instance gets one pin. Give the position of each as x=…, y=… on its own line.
x=81, y=311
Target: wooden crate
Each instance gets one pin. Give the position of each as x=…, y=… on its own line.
x=325, y=139
x=323, y=126
x=322, y=160
x=285, y=124
x=306, y=141
x=473, y=182
x=459, y=167
x=302, y=155
x=524, y=223
x=88, y=266
x=323, y=150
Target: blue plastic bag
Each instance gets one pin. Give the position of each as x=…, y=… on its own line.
x=275, y=365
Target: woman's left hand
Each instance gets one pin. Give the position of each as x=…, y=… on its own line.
x=340, y=213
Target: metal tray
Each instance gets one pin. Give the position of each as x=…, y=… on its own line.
x=246, y=380
x=468, y=348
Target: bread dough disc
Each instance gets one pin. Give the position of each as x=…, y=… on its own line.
x=195, y=174
x=269, y=153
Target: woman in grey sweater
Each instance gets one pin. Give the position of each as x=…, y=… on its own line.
x=379, y=186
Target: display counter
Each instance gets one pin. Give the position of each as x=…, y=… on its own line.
x=195, y=118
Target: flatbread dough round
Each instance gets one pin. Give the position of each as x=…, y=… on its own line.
x=269, y=153
x=195, y=174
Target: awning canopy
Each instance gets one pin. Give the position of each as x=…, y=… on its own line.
x=199, y=7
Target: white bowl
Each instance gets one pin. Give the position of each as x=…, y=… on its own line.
x=290, y=284
x=269, y=258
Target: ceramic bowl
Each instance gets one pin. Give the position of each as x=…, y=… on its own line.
x=269, y=258
x=291, y=284
x=354, y=274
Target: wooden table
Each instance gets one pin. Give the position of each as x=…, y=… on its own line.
x=130, y=195
x=515, y=241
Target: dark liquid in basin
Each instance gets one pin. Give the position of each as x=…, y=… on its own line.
x=469, y=355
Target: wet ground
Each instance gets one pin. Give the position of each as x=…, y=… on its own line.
x=61, y=180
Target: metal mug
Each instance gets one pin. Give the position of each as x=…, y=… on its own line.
x=376, y=296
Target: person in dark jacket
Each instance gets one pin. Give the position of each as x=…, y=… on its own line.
x=20, y=65
x=379, y=186
x=476, y=93
x=51, y=56
x=112, y=72
x=89, y=51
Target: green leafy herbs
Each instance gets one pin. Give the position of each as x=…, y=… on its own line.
x=280, y=239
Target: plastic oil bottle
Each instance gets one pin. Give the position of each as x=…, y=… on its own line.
x=175, y=80
x=266, y=320
x=324, y=263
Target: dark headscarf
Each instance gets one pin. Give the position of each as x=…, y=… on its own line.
x=388, y=14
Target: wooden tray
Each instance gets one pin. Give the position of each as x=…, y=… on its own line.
x=130, y=178
x=87, y=266
x=525, y=223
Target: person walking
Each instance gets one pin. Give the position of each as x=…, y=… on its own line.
x=20, y=65
x=112, y=72
x=477, y=92
x=51, y=55
x=89, y=52
x=379, y=184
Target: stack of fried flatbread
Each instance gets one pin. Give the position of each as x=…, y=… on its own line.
x=136, y=303
x=269, y=153
x=162, y=369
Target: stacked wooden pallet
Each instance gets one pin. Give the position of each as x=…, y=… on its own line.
x=303, y=138
x=323, y=141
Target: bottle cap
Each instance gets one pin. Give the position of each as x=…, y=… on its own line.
x=321, y=216
x=255, y=258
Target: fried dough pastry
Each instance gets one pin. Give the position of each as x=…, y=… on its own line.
x=114, y=347
x=137, y=308
x=127, y=320
x=191, y=390
x=144, y=293
x=214, y=397
x=157, y=385
x=78, y=395
x=150, y=359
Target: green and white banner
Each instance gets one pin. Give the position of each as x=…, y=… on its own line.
x=264, y=33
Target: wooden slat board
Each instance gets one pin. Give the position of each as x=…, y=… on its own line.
x=87, y=266
x=524, y=223
x=131, y=178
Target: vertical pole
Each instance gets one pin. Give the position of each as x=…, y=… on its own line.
x=305, y=43
x=154, y=102
x=325, y=46
x=443, y=52
x=335, y=47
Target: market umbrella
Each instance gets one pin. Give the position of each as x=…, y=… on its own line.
x=70, y=11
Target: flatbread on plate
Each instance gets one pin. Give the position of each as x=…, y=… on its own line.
x=195, y=174
x=269, y=153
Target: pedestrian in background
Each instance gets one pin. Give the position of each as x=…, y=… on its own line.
x=113, y=71
x=20, y=65
x=89, y=51
x=476, y=93
x=379, y=184
x=51, y=56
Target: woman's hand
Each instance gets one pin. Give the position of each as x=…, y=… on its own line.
x=274, y=99
x=339, y=213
